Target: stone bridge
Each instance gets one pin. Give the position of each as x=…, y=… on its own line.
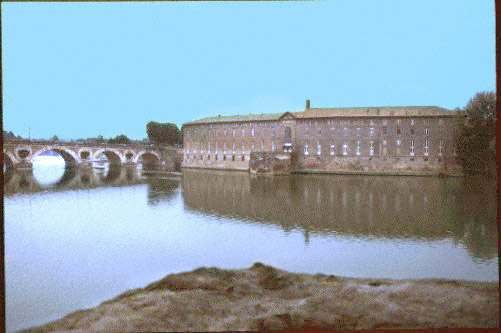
x=21, y=155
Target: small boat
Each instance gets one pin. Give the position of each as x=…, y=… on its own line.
x=100, y=164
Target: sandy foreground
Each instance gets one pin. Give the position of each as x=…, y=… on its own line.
x=263, y=297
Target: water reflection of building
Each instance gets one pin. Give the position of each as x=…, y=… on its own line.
x=393, y=207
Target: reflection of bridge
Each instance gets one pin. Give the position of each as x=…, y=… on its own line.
x=23, y=181
x=21, y=155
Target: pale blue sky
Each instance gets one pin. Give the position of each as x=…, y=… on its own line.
x=83, y=69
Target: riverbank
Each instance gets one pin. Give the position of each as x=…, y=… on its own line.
x=263, y=297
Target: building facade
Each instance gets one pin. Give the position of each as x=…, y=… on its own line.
x=395, y=140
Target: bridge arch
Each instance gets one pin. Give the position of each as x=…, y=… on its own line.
x=147, y=152
x=9, y=160
x=130, y=155
x=70, y=157
x=84, y=153
x=113, y=155
x=150, y=160
x=23, y=152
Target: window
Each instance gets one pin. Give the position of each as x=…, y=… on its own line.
x=225, y=132
x=412, y=131
x=233, y=132
x=358, y=131
x=358, y=148
x=440, y=147
x=371, y=148
x=288, y=135
x=224, y=149
x=427, y=131
x=371, y=131
x=345, y=131
x=306, y=149
x=272, y=145
x=333, y=149
x=412, y=122
x=307, y=130
x=398, y=130
x=319, y=148
x=345, y=149
x=426, y=146
x=319, y=131
x=385, y=122
x=262, y=145
x=412, y=148
x=252, y=132
x=398, y=142
x=385, y=130
x=385, y=142
x=243, y=131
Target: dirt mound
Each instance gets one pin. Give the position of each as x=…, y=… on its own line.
x=263, y=297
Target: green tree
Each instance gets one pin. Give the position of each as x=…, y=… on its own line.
x=100, y=139
x=54, y=138
x=120, y=139
x=165, y=133
x=476, y=138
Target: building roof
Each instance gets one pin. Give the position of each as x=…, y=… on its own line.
x=384, y=111
x=247, y=117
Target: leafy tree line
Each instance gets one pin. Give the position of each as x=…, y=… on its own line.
x=9, y=136
x=164, y=133
x=119, y=139
x=476, y=140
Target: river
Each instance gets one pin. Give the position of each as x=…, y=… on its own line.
x=74, y=238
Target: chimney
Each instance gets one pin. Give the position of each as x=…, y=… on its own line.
x=307, y=104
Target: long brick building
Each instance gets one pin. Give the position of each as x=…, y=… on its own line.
x=394, y=140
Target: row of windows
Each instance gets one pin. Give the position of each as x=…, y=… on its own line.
x=332, y=148
x=346, y=148
x=332, y=131
x=371, y=131
x=274, y=124
x=217, y=157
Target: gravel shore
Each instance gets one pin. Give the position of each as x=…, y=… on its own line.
x=263, y=297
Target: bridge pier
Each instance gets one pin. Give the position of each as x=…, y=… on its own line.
x=87, y=164
x=23, y=165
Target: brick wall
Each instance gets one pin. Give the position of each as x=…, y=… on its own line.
x=368, y=144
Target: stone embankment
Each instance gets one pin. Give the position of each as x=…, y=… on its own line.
x=263, y=297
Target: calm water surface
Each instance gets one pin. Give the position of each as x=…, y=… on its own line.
x=76, y=238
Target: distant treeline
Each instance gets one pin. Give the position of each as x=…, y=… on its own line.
x=119, y=139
